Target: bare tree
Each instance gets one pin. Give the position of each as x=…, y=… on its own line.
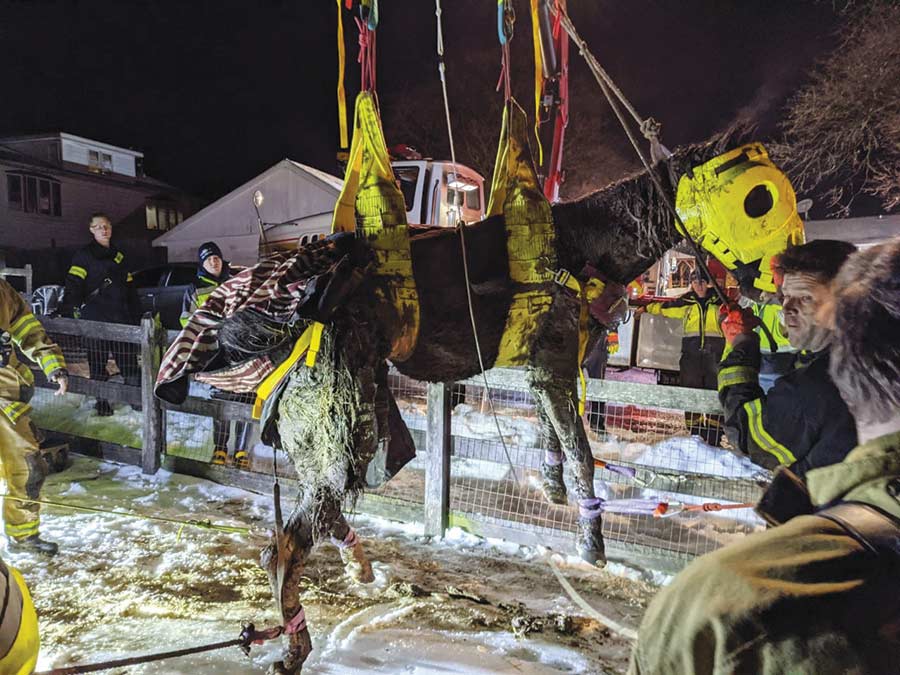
x=842, y=130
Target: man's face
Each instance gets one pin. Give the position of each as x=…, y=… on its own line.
x=805, y=296
x=101, y=228
x=699, y=286
x=213, y=265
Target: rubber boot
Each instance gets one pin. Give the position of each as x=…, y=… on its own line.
x=220, y=456
x=241, y=460
x=590, y=532
x=33, y=544
x=552, y=485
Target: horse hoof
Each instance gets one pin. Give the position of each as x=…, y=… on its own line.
x=357, y=565
x=590, y=545
x=552, y=486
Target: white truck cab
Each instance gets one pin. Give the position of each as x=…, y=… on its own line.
x=439, y=192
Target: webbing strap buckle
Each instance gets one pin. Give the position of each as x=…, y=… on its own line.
x=562, y=276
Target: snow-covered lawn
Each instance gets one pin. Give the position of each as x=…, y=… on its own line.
x=121, y=587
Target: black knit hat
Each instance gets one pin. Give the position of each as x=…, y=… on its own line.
x=207, y=250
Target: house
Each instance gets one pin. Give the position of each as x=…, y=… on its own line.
x=297, y=206
x=52, y=183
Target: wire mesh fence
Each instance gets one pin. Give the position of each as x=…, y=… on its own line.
x=670, y=449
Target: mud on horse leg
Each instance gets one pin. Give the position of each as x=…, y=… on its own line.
x=356, y=563
x=284, y=577
x=553, y=486
x=557, y=397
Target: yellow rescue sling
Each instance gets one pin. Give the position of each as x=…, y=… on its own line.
x=740, y=207
x=19, y=638
x=516, y=194
x=372, y=205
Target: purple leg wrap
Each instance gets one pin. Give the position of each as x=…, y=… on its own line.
x=348, y=541
x=553, y=458
x=590, y=508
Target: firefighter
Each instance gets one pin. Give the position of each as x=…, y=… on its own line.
x=99, y=288
x=777, y=355
x=19, y=638
x=212, y=271
x=817, y=594
x=23, y=466
x=701, y=346
x=802, y=422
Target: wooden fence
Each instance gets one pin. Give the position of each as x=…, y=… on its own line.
x=432, y=503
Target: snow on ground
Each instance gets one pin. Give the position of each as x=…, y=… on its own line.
x=121, y=587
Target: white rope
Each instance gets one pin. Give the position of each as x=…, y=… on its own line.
x=462, y=241
x=613, y=625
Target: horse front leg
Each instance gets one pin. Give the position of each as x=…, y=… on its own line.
x=285, y=560
x=356, y=563
x=557, y=397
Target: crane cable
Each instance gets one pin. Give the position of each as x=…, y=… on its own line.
x=649, y=128
x=462, y=241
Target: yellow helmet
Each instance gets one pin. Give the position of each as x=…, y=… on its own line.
x=741, y=208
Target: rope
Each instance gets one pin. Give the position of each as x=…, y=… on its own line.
x=613, y=625
x=649, y=127
x=202, y=524
x=249, y=635
x=462, y=242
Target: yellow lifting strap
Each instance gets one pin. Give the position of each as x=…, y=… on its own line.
x=531, y=251
x=538, y=77
x=341, y=97
x=372, y=205
x=587, y=292
x=308, y=343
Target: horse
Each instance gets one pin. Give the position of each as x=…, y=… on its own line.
x=334, y=417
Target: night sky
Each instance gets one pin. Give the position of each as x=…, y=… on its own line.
x=215, y=92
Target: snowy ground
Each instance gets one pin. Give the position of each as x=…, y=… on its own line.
x=121, y=587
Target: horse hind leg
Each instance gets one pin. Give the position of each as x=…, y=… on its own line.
x=284, y=561
x=553, y=486
x=356, y=563
x=558, y=399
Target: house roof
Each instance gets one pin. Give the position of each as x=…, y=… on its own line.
x=70, y=137
x=332, y=183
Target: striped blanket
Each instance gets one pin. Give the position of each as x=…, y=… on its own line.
x=276, y=287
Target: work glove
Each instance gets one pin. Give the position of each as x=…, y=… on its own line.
x=736, y=321
x=612, y=343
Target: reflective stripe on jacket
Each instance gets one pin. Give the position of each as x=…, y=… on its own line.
x=29, y=337
x=770, y=315
x=199, y=293
x=802, y=422
x=99, y=280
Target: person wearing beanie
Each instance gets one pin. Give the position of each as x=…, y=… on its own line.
x=213, y=271
x=702, y=345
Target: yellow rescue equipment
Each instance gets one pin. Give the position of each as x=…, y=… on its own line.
x=372, y=205
x=19, y=639
x=740, y=207
x=530, y=244
x=306, y=345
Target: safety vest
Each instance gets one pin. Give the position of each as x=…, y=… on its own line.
x=699, y=316
x=19, y=639
x=773, y=339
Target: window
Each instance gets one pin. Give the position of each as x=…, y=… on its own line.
x=33, y=194
x=106, y=162
x=100, y=162
x=162, y=216
x=408, y=177
x=14, y=192
x=94, y=160
x=151, y=218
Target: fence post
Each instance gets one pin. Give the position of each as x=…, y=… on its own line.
x=437, y=469
x=154, y=434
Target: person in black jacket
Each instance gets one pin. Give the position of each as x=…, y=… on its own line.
x=99, y=288
x=802, y=423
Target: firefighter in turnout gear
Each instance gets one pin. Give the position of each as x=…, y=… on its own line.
x=212, y=271
x=99, y=288
x=23, y=467
x=701, y=347
x=801, y=422
x=19, y=639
